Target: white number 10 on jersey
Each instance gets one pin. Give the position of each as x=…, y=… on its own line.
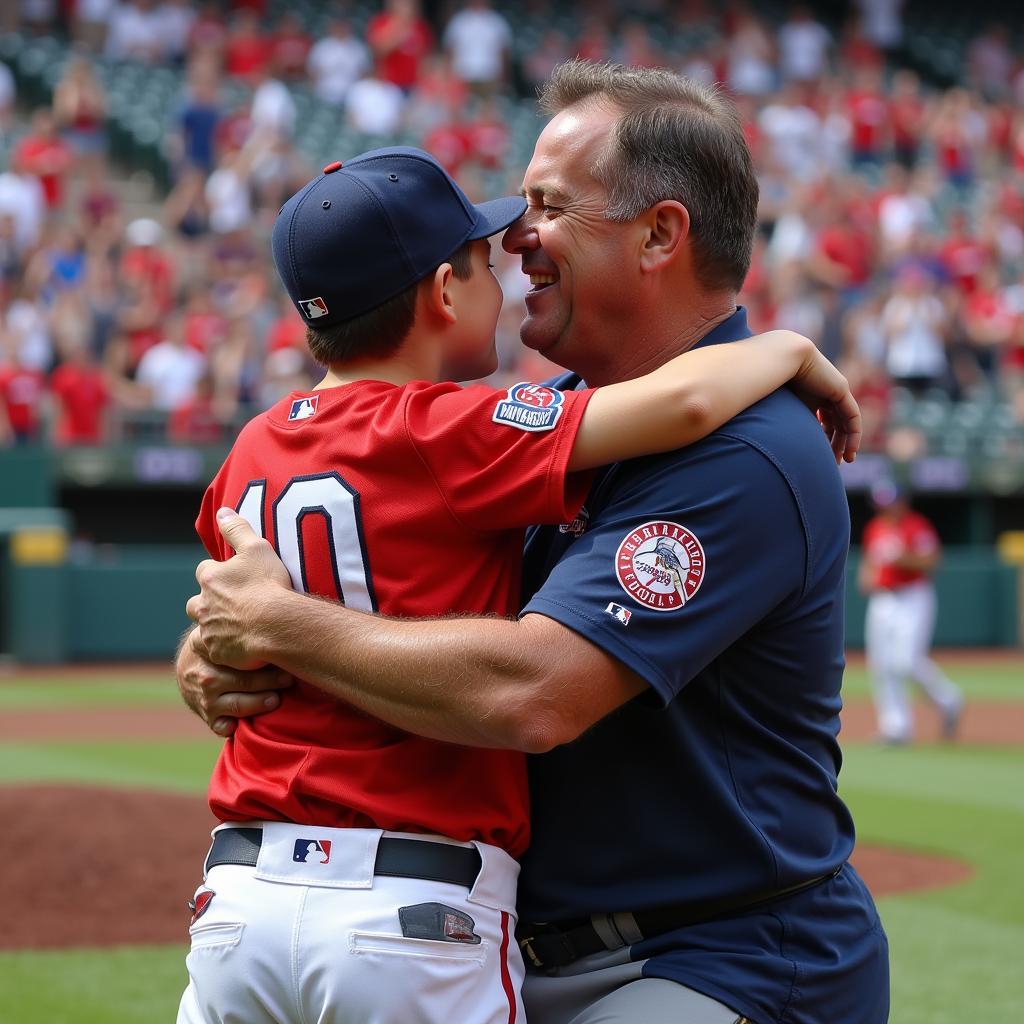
x=329, y=496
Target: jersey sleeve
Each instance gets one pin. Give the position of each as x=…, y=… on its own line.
x=500, y=458
x=922, y=540
x=692, y=551
x=206, y=521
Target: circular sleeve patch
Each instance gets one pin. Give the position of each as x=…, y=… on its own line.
x=660, y=565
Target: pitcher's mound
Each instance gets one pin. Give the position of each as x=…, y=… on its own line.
x=104, y=867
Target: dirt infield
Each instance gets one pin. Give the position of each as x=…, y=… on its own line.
x=102, y=867
x=991, y=722
x=99, y=867
x=988, y=723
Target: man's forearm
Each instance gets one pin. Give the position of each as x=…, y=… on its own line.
x=472, y=681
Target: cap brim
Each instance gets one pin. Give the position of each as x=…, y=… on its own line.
x=496, y=215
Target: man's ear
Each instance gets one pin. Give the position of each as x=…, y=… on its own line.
x=666, y=227
x=437, y=294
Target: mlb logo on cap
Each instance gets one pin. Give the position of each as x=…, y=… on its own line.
x=304, y=408
x=314, y=308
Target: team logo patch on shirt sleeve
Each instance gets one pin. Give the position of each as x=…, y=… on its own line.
x=660, y=565
x=303, y=408
x=531, y=407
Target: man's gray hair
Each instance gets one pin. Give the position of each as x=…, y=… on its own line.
x=675, y=139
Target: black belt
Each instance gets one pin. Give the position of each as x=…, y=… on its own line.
x=556, y=945
x=396, y=858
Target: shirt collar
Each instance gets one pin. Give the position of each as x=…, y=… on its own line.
x=733, y=328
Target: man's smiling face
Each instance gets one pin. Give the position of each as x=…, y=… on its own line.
x=580, y=264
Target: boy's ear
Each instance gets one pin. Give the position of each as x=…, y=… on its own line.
x=437, y=293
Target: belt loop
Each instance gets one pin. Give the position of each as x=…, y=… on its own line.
x=604, y=925
x=626, y=926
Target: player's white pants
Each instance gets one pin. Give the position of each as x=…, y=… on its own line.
x=898, y=635
x=270, y=949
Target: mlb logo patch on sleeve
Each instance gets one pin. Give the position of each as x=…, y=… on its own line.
x=620, y=613
x=530, y=407
x=303, y=408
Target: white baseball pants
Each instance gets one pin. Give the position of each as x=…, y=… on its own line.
x=286, y=943
x=898, y=636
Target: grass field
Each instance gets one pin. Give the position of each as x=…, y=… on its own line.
x=956, y=952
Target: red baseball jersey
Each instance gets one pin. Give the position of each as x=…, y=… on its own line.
x=886, y=540
x=410, y=501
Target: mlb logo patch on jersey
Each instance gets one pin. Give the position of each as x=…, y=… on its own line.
x=620, y=613
x=313, y=308
x=660, y=565
x=312, y=851
x=304, y=408
x=530, y=407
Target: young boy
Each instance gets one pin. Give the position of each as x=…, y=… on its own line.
x=363, y=873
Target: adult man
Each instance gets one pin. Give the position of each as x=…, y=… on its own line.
x=901, y=551
x=684, y=653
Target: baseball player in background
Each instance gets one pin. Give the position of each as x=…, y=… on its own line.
x=363, y=873
x=900, y=551
x=676, y=667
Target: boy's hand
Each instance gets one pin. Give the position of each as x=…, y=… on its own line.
x=824, y=390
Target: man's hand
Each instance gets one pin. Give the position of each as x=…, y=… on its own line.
x=232, y=594
x=220, y=696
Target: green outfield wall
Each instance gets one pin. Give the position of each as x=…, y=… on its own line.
x=128, y=602
x=98, y=548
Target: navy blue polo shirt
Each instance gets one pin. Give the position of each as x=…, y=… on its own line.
x=716, y=574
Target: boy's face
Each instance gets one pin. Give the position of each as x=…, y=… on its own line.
x=470, y=352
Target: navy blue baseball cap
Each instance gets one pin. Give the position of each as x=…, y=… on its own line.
x=367, y=229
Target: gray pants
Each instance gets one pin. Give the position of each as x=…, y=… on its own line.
x=608, y=988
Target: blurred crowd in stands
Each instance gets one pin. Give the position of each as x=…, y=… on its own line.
x=891, y=224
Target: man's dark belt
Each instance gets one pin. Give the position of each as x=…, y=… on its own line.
x=396, y=858
x=556, y=945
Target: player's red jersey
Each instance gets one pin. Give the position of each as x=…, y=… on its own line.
x=886, y=540
x=410, y=501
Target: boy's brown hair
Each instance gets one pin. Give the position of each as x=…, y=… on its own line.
x=380, y=332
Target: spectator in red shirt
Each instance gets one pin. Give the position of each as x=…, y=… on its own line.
x=247, y=50
x=593, y=42
x=400, y=39
x=869, y=116
x=290, y=44
x=146, y=263
x=22, y=393
x=43, y=154
x=488, y=136
x=962, y=254
x=205, y=326
x=906, y=117
x=288, y=330
x=843, y=255
x=208, y=34
x=195, y=420
x=988, y=321
x=83, y=398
